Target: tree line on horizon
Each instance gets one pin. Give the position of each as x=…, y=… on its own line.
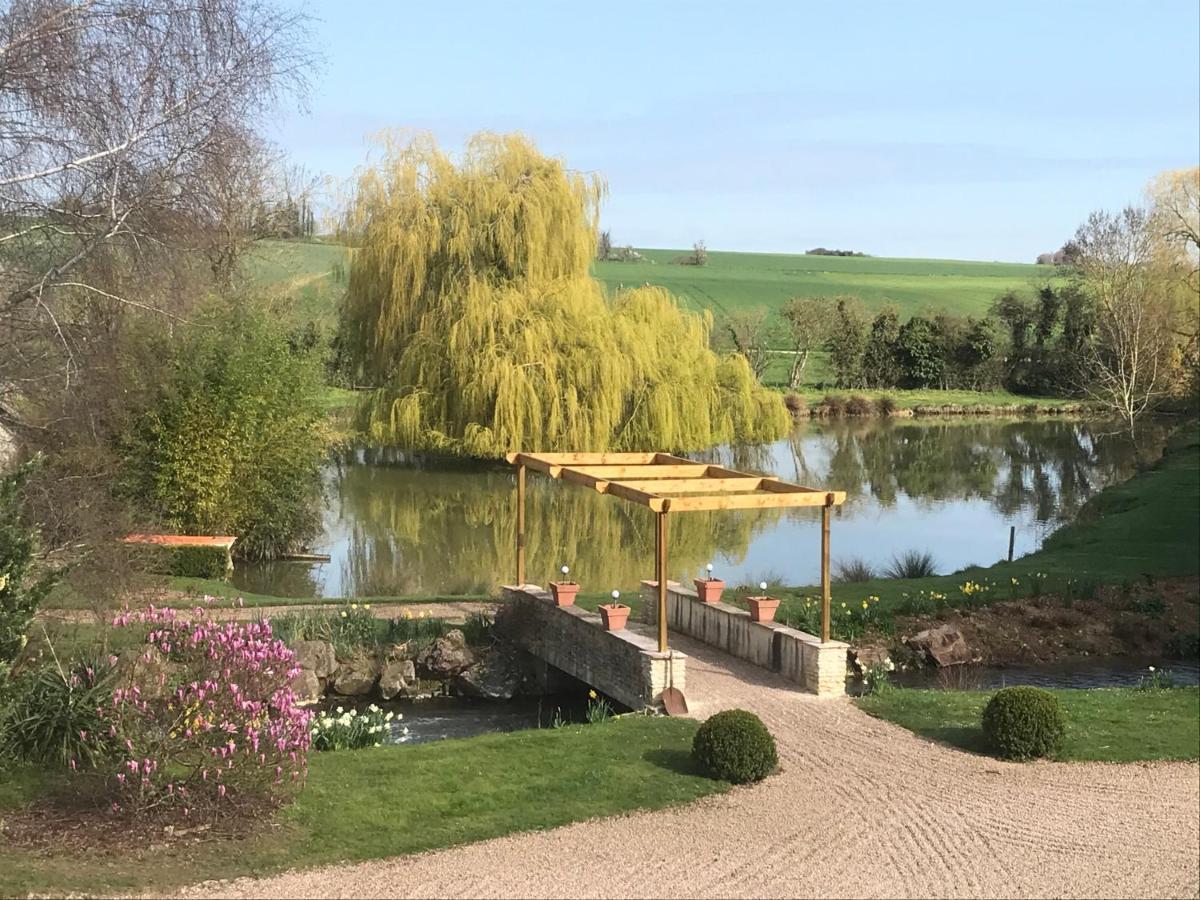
x=1120, y=328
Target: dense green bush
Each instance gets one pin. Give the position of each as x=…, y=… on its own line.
x=190, y=562
x=232, y=440
x=735, y=746
x=1024, y=723
x=20, y=591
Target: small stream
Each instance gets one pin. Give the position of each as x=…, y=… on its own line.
x=443, y=718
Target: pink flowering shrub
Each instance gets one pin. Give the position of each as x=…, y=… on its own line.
x=204, y=718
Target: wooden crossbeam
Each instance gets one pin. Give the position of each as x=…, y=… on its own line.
x=664, y=486
x=784, y=487
x=604, y=486
x=760, y=500
x=618, y=472
x=592, y=459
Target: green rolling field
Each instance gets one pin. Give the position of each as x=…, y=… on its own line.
x=734, y=281
x=305, y=271
x=729, y=282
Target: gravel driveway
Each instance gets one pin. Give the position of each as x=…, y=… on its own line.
x=862, y=808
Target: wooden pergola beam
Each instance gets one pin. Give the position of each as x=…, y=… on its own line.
x=664, y=486
x=758, y=500
x=589, y=459
x=620, y=472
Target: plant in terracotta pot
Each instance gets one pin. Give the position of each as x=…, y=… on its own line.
x=762, y=608
x=564, y=591
x=708, y=588
x=614, y=615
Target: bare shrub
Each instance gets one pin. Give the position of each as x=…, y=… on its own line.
x=853, y=570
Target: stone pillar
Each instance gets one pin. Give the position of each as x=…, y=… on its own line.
x=825, y=675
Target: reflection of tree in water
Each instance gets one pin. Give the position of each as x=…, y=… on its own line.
x=416, y=530
x=419, y=528
x=1049, y=466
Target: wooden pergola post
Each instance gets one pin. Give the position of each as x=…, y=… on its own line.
x=660, y=573
x=825, y=589
x=521, y=524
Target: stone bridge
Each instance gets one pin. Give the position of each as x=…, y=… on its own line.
x=627, y=664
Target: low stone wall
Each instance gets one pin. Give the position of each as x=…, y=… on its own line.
x=625, y=664
x=796, y=655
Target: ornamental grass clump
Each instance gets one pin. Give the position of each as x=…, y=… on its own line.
x=55, y=715
x=203, y=717
x=1024, y=723
x=735, y=746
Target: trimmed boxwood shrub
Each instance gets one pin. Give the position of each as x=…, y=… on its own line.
x=1024, y=723
x=188, y=562
x=735, y=746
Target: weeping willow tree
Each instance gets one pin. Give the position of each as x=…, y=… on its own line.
x=471, y=308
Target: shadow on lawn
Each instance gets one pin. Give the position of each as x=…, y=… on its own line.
x=963, y=737
x=678, y=761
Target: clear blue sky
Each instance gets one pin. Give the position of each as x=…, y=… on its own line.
x=959, y=130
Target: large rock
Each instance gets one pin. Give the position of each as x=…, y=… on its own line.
x=449, y=655
x=316, y=656
x=356, y=676
x=396, y=677
x=944, y=646
x=498, y=677
x=307, y=687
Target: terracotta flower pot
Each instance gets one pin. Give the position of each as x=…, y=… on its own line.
x=614, y=616
x=564, y=592
x=709, y=589
x=762, y=609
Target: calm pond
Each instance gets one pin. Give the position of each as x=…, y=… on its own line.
x=395, y=524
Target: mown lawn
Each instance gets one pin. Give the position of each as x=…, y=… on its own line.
x=391, y=801
x=1104, y=725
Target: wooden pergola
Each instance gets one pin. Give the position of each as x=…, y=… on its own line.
x=671, y=484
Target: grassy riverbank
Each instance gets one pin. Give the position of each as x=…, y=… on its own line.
x=371, y=804
x=1103, y=725
x=1147, y=527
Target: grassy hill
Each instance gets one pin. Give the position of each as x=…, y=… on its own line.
x=729, y=282
x=733, y=281
x=307, y=271
x=314, y=275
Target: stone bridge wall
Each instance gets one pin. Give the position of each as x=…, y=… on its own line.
x=625, y=664
x=796, y=655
